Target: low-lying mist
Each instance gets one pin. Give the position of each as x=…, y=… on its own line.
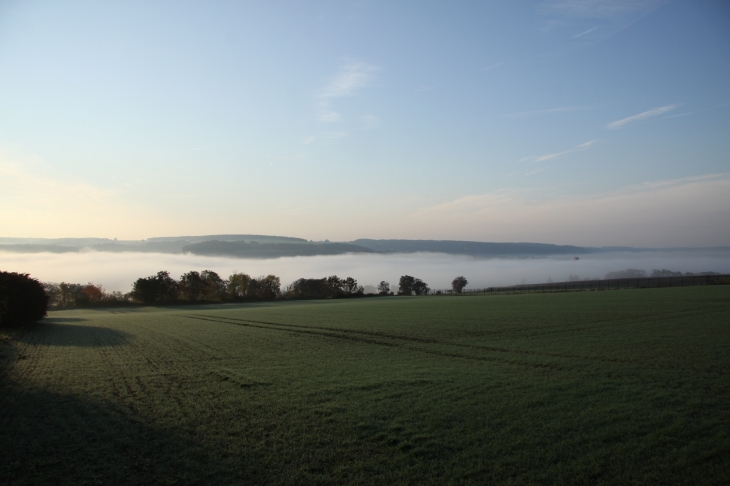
x=117, y=271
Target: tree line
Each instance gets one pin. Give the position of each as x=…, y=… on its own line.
x=25, y=299
x=208, y=286
x=636, y=273
x=205, y=286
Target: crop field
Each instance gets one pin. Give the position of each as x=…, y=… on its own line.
x=619, y=387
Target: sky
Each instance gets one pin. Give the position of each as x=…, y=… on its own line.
x=586, y=122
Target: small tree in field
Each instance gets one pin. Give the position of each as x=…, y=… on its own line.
x=458, y=284
x=384, y=288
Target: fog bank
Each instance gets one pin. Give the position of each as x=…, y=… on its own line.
x=117, y=271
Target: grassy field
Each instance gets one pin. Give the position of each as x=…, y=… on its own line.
x=621, y=387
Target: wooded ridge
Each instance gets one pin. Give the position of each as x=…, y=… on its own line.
x=265, y=246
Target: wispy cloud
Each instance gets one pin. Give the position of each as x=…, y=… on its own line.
x=543, y=158
x=492, y=66
x=585, y=32
x=641, y=116
x=682, y=212
x=324, y=137
x=601, y=18
x=721, y=105
x=330, y=117
x=351, y=77
x=601, y=9
x=348, y=79
x=523, y=114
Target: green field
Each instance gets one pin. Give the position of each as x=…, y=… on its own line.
x=620, y=387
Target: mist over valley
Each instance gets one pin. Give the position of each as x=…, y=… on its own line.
x=118, y=270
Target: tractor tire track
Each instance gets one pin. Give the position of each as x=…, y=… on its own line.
x=183, y=366
x=435, y=341
x=470, y=346
x=384, y=343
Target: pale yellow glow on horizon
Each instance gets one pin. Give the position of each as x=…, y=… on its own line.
x=685, y=212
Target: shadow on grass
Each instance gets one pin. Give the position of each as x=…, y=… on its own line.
x=228, y=305
x=51, y=438
x=57, y=334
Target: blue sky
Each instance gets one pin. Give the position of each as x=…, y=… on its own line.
x=600, y=122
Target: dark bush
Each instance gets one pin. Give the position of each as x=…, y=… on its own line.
x=22, y=299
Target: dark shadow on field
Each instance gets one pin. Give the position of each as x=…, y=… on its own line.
x=50, y=438
x=126, y=309
x=228, y=305
x=53, y=333
x=64, y=319
x=260, y=305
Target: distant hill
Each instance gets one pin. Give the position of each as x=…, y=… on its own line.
x=267, y=246
x=165, y=244
x=38, y=248
x=143, y=247
x=65, y=242
x=244, y=249
x=258, y=238
x=475, y=248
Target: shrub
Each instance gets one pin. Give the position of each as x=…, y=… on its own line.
x=22, y=299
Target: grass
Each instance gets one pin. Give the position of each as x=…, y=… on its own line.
x=622, y=387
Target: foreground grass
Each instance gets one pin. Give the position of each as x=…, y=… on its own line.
x=594, y=387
